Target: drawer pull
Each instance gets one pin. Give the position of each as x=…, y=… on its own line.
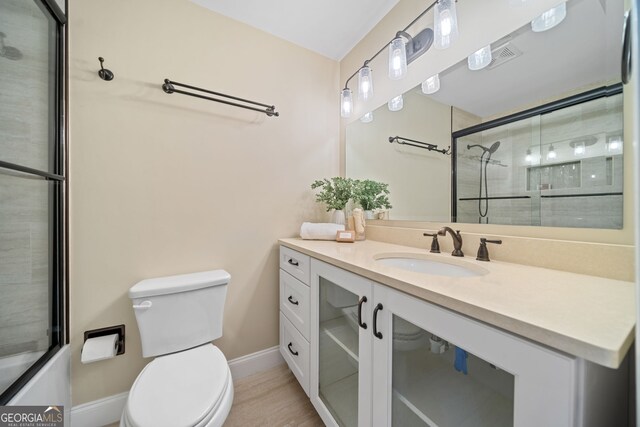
x=377, y=333
x=362, y=301
x=292, y=301
x=292, y=262
x=295, y=353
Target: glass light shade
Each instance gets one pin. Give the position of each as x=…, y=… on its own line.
x=529, y=157
x=397, y=59
x=367, y=118
x=365, y=83
x=445, y=24
x=480, y=58
x=346, y=103
x=431, y=85
x=551, y=154
x=579, y=149
x=396, y=104
x=614, y=144
x=550, y=18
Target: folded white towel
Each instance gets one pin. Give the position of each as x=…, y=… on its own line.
x=320, y=231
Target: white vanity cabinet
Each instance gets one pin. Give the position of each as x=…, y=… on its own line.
x=379, y=357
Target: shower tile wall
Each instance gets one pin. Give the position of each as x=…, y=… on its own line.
x=509, y=174
x=24, y=135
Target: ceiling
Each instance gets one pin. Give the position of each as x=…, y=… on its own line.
x=329, y=27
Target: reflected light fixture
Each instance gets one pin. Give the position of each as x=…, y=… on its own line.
x=365, y=82
x=480, y=58
x=550, y=18
x=528, y=158
x=551, y=154
x=346, y=103
x=445, y=23
x=579, y=149
x=614, y=144
x=367, y=118
x=580, y=145
x=395, y=104
x=431, y=85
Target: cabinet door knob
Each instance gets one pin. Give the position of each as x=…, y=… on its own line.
x=292, y=262
x=376, y=333
x=362, y=301
x=292, y=301
x=295, y=353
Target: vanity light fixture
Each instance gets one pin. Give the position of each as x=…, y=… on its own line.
x=367, y=118
x=550, y=18
x=431, y=85
x=614, y=144
x=480, y=58
x=580, y=145
x=395, y=104
x=529, y=157
x=579, y=149
x=551, y=154
x=404, y=49
x=445, y=23
x=365, y=83
x=346, y=103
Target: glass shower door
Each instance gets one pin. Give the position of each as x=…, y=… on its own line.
x=31, y=189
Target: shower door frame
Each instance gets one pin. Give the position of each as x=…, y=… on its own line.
x=58, y=204
x=550, y=107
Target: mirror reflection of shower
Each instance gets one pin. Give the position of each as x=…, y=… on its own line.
x=483, y=212
x=9, y=52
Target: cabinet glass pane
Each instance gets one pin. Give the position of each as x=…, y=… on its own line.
x=338, y=348
x=28, y=84
x=437, y=384
x=25, y=263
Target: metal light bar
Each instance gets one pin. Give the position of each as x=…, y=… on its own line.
x=419, y=144
x=169, y=87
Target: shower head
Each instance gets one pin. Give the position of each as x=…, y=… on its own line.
x=494, y=147
x=9, y=52
x=491, y=150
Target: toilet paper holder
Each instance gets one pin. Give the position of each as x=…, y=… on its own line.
x=109, y=330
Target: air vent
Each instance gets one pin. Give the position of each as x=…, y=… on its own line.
x=503, y=54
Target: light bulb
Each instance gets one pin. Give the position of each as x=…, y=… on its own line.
x=614, y=144
x=445, y=24
x=365, y=83
x=550, y=18
x=431, y=85
x=397, y=59
x=528, y=158
x=367, y=118
x=346, y=103
x=551, y=154
x=480, y=58
x=579, y=149
x=395, y=104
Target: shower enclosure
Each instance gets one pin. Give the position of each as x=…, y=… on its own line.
x=559, y=164
x=32, y=178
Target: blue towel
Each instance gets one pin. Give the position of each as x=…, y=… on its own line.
x=461, y=361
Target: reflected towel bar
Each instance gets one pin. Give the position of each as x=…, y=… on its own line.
x=419, y=144
x=169, y=87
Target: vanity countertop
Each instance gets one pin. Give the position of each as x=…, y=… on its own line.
x=585, y=316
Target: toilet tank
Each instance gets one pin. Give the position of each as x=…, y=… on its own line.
x=179, y=312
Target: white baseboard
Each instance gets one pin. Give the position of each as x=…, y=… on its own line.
x=100, y=412
x=108, y=410
x=255, y=362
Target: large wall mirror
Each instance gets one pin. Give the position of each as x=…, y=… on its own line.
x=535, y=138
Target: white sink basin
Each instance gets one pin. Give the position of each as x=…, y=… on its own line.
x=429, y=265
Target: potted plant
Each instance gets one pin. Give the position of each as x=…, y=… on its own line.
x=335, y=193
x=371, y=195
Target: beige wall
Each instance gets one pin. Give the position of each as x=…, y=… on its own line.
x=168, y=184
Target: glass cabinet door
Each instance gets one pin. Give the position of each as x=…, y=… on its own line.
x=342, y=369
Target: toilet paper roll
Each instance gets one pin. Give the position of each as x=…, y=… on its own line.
x=99, y=348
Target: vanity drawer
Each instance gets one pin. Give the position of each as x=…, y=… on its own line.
x=295, y=263
x=295, y=350
x=294, y=302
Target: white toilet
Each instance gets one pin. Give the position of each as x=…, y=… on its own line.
x=189, y=383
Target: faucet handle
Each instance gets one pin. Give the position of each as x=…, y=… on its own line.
x=435, y=246
x=483, y=252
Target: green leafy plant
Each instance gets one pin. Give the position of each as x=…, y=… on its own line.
x=335, y=193
x=372, y=194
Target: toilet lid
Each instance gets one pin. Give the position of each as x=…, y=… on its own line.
x=180, y=389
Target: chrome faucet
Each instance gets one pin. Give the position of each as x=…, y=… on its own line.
x=457, y=240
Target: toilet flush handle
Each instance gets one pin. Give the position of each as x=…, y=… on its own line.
x=145, y=305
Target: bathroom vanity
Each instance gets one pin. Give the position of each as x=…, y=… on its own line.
x=380, y=334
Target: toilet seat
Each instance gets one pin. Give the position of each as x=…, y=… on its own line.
x=191, y=388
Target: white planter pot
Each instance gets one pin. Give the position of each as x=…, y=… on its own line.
x=368, y=215
x=337, y=217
